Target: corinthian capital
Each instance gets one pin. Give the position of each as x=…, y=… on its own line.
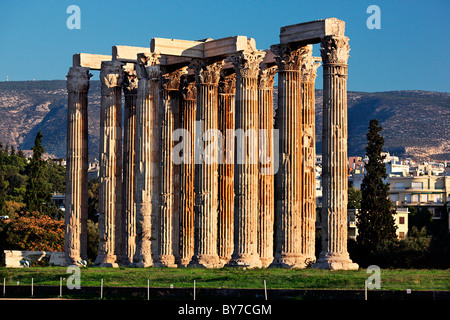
x=266, y=76
x=246, y=64
x=130, y=81
x=290, y=58
x=147, y=65
x=227, y=84
x=334, y=50
x=207, y=71
x=309, y=68
x=77, y=79
x=188, y=88
x=170, y=80
x=111, y=74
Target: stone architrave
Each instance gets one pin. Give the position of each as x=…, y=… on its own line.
x=187, y=215
x=77, y=165
x=266, y=218
x=308, y=74
x=289, y=60
x=245, y=252
x=227, y=91
x=207, y=75
x=170, y=172
x=130, y=86
x=110, y=184
x=147, y=160
x=334, y=255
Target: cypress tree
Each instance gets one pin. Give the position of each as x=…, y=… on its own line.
x=375, y=219
x=38, y=194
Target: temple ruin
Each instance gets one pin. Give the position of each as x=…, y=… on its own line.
x=246, y=200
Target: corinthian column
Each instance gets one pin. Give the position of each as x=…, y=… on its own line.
x=170, y=172
x=188, y=116
x=110, y=185
x=334, y=255
x=207, y=74
x=77, y=165
x=267, y=166
x=246, y=160
x=147, y=153
x=288, y=180
x=130, y=85
x=308, y=74
x=227, y=89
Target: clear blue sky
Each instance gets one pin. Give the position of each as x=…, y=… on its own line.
x=409, y=52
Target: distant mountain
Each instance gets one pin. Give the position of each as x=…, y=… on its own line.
x=415, y=123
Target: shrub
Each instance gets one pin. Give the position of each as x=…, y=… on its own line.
x=32, y=232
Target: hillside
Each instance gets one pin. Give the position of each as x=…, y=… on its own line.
x=415, y=123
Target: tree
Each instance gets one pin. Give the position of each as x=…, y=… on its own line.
x=354, y=198
x=38, y=193
x=375, y=219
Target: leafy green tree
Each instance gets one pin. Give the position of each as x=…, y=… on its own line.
x=375, y=219
x=354, y=198
x=38, y=193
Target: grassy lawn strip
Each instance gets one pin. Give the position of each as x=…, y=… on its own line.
x=391, y=279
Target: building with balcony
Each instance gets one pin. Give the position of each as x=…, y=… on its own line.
x=400, y=218
x=431, y=191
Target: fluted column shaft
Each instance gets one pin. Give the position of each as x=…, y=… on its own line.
x=147, y=162
x=207, y=75
x=77, y=165
x=188, y=118
x=110, y=184
x=288, y=179
x=266, y=216
x=309, y=157
x=227, y=88
x=246, y=161
x=334, y=255
x=170, y=172
x=130, y=84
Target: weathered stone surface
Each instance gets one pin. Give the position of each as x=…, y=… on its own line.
x=13, y=257
x=313, y=31
x=170, y=171
x=88, y=60
x=246, y=160
x=58, y=259
x=227, y=91
x=266, y=218
x=110, y=184
x=148, y=159
x=308, y=230
x=77, y=165
x=288, y=191
x=207, y=76
x=334, y=255
x=130, y=86
x=187, y=215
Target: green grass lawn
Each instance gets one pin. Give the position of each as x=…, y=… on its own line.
x=391, y=279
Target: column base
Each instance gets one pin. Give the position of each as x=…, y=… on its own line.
x=184, y=263
x=143, y=261
x=166, y=261
x=266, y=262
x=205, y=261
x=72, y=258
x=290, y=261
x=245, y=260
x=106, y=260
x=335, y=261
x=225, y=260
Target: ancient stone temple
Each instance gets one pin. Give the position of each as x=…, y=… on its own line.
x=197, y=168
